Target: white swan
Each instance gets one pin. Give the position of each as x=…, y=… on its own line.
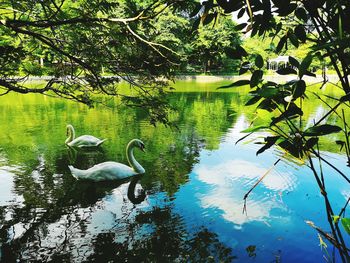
x=113, y=170
x=81, y=141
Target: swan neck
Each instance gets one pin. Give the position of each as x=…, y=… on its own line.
x=71, y=134
x=131, y=159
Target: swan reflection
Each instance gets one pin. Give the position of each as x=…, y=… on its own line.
x=84, y=157
x=90, y=193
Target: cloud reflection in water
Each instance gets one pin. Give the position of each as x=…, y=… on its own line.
x=230, y=177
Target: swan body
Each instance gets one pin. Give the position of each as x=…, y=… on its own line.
x=112, y=170
x=81, y=141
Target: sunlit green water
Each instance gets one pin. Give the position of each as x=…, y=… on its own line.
x=188, y=205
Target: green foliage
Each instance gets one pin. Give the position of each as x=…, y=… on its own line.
x=346, y=224
x=213, y=44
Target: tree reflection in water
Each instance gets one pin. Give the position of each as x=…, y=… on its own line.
x=168, y=242
x=58, y=218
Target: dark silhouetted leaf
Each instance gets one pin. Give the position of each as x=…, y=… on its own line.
x=241, y=26
x=267, y=104
x=341, y=143
x=241, y=13
x=293, y=39
x=238, y=83
x=278, y=27
x=299, y=31
x=230, y=6
x=301, y=14
x=286, y=71
x=310, y=143
x=322, y=130
x=259, y=61
x=243, y=70
x=345, y=98
x=195, y=25
x=281, y=44
x=237, y=53
x=271, y=83
x=256, y=77
x=267, y=92
x=292, y=112
x=299, y=89
x=196, y=10
x=290, y=148
x=304, y=65
x=269, y=142
x=309, y=73
x=293, y=62
x=209, y=18
x=253, y=100
x=286, y=9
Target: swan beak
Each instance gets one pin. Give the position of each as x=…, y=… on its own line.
x=143, y=148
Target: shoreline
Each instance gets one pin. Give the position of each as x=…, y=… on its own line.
x=276, y=78
x=219, y=78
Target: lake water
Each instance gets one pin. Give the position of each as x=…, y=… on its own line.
x=188, y=205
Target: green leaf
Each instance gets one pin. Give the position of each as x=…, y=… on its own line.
x=286, y=71
x=304, y=65
x=259, y=61
x=237, y=83
x=256, y=77
x=346, y=224
x=322, y=130
x=254, y=129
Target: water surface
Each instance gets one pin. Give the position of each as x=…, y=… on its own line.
x=188, y=205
